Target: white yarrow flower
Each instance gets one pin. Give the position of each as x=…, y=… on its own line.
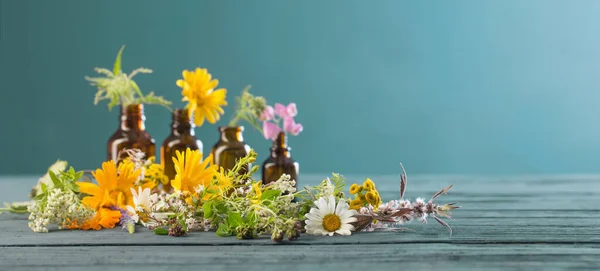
x=328, y=218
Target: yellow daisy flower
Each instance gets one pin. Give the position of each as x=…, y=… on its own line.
x=191, y=171
x=113, y=188
x=198, y=88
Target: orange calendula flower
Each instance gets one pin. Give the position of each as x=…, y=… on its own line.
x=113, y=188
x=191, y=171
x=104, y=218
x=198, y=88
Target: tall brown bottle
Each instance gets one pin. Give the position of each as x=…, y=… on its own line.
x=181, y=138
x=231, y=147
x=280, y=161
x=131, y=133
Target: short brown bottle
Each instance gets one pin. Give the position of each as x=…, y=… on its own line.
x=181, y=138
x=280, y=162
x=131, y=133
x=230, y=148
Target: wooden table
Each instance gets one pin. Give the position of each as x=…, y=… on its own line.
x=528, y=223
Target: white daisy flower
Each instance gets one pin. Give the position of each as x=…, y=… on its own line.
x=327, y=218
x=142, y=198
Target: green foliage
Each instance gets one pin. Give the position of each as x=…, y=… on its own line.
x=64, y=180
x=120, y=89
x=15, y=207
x=250, y=208
x=339, y=182
x=161, y=231
x=249, y=108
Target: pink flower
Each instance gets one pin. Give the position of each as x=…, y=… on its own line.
x=286, y=111
x=268, y=114
x=290, y=126
x=270, y=130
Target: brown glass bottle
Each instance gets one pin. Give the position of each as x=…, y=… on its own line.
x=231, y=147
x=280, y=161
x=181, y=138
x=131, y=133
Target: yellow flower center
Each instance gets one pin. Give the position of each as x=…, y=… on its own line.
x=332, y=222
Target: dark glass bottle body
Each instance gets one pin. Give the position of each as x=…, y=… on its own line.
x=280, y=162
x=231, y=147
x=131, y=133
x=181, y=138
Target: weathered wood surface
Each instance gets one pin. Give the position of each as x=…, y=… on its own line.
x=528, y=223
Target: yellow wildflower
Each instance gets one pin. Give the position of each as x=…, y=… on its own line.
x=368, y=185
x=220, y=184
x=355, y=204
x=257, y=190
x=191, y=171
x=155, y=173
x=198, y=88
x=355, y=188
x=371, y=198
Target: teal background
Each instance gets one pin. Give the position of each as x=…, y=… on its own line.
x=477, y=87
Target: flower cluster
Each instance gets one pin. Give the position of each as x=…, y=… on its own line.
x=397, y=212
x=272, y=116
x=204, y=101
x=365, y=194
x=59, y=205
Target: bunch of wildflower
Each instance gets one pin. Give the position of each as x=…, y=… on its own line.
x=59, y=205
x=247, y=208
x=398, y=212
x=365, y=195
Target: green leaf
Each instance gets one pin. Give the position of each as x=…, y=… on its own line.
x=251, y=219
x=54, y=179
x=220, y=207
x=39, y=197
x=44, y=188
x=78, y=175
x=270, y=195
x=117, y=66
x=208, y=210
x=223, y=230
x=234, y=220
x=161, y=231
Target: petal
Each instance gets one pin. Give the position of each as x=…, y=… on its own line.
x=342, y=206
x=343, y=232
x=288, y=124
x=349, y=220
x=291, y=109
x=348, y=227
x=90, y=189
x=331, y=205
x=281, y=110
x=270, y=130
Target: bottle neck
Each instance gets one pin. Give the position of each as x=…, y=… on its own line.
x=232, y=134
x=182, y=125
x=280, y=147
x=132, y=117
